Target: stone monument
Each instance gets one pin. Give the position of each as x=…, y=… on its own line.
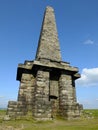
x=47, y=84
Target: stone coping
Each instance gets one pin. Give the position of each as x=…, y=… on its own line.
x=49, y=64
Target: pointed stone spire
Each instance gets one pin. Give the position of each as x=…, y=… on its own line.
x=48, y=47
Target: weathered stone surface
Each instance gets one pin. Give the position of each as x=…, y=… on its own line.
x=48, y=47
x=47, y=84
x=6, y=118
x=42, y=104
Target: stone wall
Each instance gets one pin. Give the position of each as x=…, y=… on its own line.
x=26, y=90
x=16, y=109
x=24, y=103
x=46, y=95
x=68, y=108
x=42, y=107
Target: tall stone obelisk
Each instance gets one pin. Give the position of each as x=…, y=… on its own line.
x=48, y=47
x=47, y=84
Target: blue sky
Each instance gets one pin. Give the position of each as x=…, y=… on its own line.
x=77, y=24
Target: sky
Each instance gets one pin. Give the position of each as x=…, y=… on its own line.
x=77, y=25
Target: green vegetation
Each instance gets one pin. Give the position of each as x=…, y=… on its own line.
x=88, y=121
x=2, y=112
x=91, y=112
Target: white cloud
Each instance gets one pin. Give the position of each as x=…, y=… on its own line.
x=89, y=41
x=89, y=77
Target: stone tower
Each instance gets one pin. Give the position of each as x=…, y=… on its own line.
x=47, y=84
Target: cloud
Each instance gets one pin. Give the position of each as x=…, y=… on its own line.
x=89, y=41
x=89, y=77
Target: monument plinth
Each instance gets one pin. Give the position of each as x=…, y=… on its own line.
x=47, y=84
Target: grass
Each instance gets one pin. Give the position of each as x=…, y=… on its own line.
x=92, y=112
x=2, y=112
x=66, y=125
x=89, y=121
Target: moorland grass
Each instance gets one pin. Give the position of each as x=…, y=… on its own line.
x=92, y=112
x=88, y=121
